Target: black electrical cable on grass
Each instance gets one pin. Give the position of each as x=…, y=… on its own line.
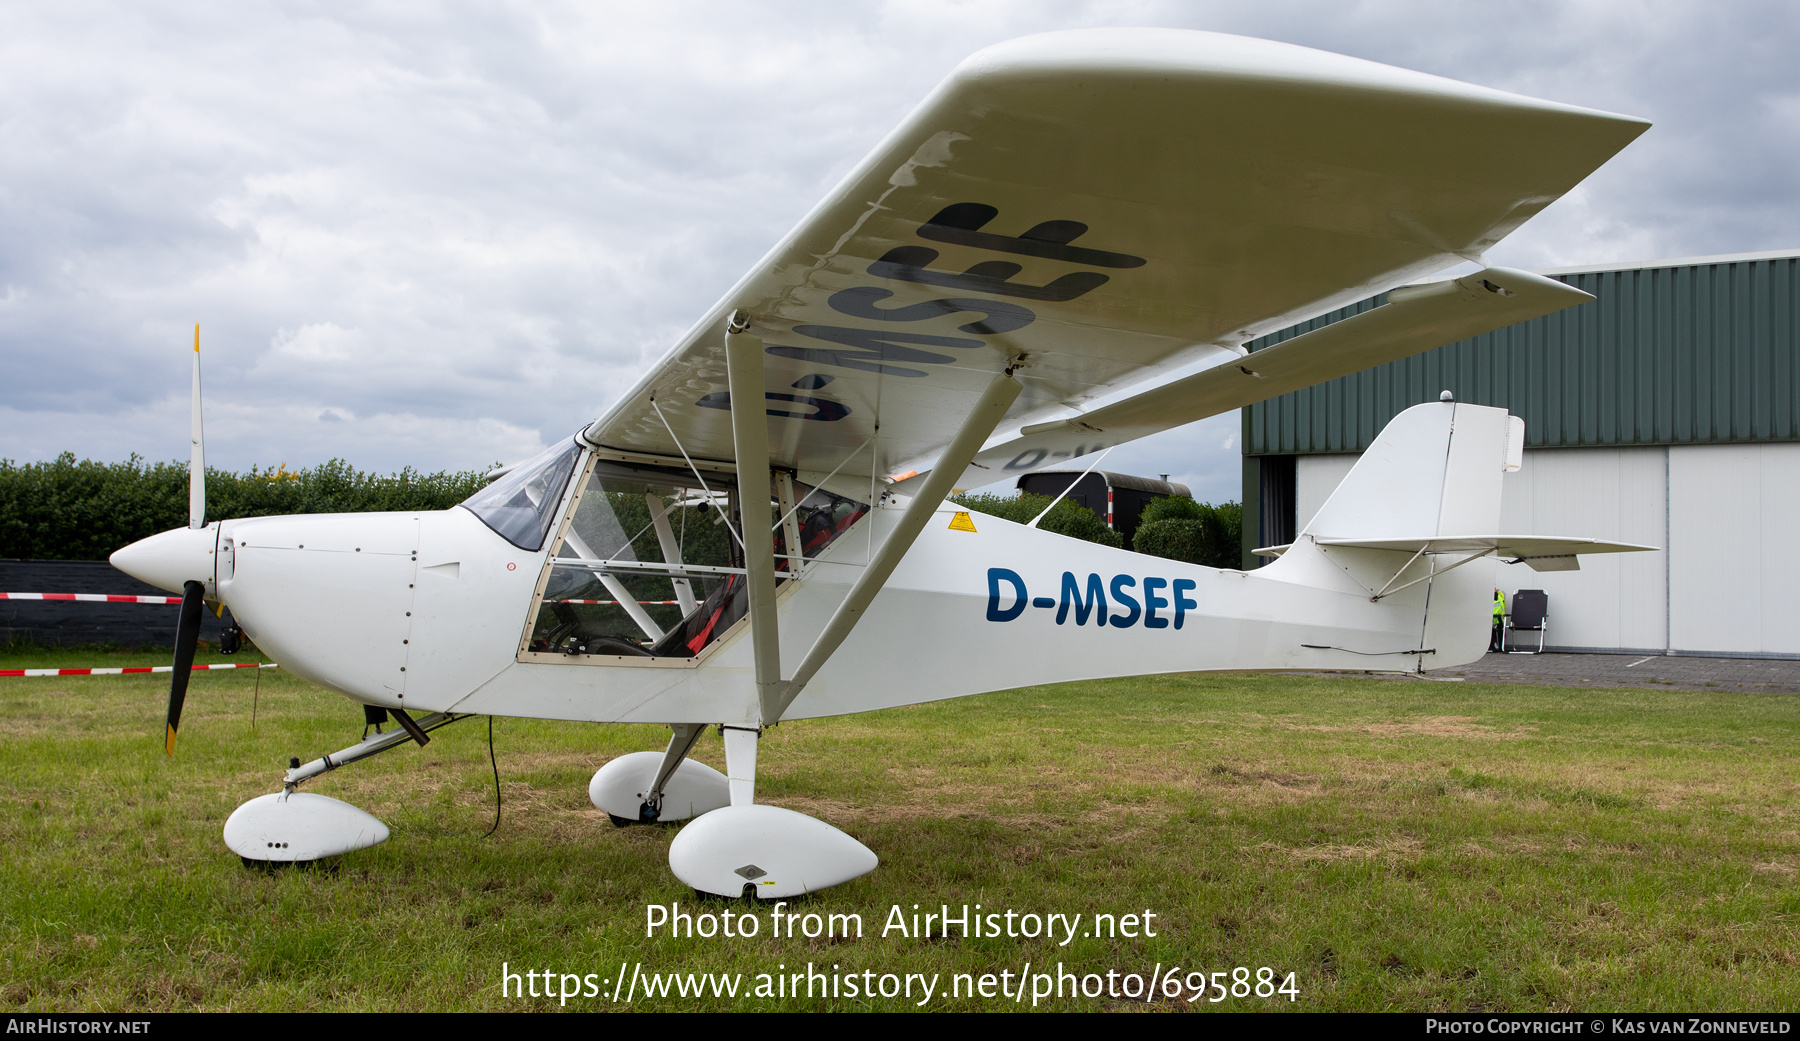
x=1370, y=654
x=496, y=765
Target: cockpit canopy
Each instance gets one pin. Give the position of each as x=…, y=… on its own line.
x=647, y=561
x=521, y=505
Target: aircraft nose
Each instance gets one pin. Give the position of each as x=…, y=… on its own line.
x=171, y=559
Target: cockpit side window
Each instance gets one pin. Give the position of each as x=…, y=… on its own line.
x=648, y=562
x=521, y=505
x=822, y=517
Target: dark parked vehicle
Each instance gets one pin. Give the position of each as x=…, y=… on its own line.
x=1117, y=499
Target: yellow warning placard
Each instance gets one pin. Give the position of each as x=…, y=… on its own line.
x=961, y=522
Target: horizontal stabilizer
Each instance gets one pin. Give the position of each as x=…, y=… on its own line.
x=1415, y=319
x=1541, y=552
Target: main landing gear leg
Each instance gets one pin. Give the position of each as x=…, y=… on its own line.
x=740, y=763
x=681, y=742
x=659, y=787
x=744, y=849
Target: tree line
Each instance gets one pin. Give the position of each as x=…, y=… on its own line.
x=69, y=509
x=1177, y=528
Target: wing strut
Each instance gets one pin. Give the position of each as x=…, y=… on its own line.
x=750, y=436
x=975, y=429
x=750, y=433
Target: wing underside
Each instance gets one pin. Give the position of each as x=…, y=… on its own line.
x=1096, y=209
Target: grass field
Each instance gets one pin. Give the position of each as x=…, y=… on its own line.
x=1393, y=844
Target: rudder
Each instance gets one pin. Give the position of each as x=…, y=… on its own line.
x=1434, y=470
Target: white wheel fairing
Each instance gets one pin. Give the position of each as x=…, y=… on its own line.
x=693, y=789
x=298, y=826
x=779, y=852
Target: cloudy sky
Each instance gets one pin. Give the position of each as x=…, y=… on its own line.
x=443, y=235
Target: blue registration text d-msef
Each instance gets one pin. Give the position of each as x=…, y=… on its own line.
x=1089, y=600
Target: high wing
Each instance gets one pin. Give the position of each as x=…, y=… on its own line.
x=1095, y=209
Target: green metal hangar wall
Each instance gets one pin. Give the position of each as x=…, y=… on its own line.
x=1665, y=412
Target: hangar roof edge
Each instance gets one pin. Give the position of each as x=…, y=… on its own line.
x=1697, y=350
x=1723, y=258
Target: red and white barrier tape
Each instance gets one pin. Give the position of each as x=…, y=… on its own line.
x=109, y=598
x=672, y=603
x=125, y=671
x=93, y=598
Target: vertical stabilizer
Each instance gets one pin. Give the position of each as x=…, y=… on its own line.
x=1434, y=470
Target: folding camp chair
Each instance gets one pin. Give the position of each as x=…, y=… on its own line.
x=1530, y=613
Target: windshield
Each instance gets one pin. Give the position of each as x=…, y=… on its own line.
x=522, y=503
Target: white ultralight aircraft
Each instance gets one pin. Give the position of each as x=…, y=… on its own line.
x=1009, y=280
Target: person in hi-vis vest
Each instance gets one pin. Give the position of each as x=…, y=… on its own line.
x=1497, y=642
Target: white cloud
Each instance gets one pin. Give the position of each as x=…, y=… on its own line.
x=324, y=343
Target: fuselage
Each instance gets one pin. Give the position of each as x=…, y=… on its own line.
x=431, y=610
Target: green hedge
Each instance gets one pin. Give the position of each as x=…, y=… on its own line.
x=1197, y=532
x=83, y=510
x=1068, y=518
x=1175, y=528
x=73, y=509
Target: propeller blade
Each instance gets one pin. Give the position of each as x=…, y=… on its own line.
x=187, y=636
x=197, y=451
